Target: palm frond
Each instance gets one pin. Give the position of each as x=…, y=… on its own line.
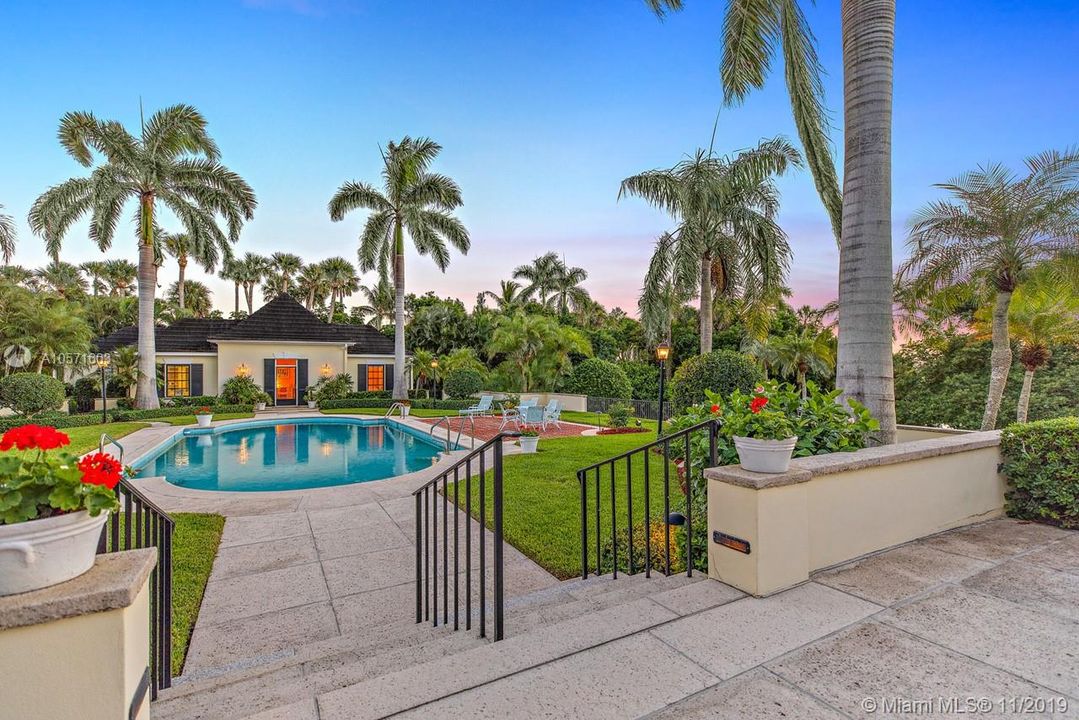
x=750, y=32
x=354, y=195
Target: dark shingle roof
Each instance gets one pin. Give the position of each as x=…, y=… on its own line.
x=282, y=319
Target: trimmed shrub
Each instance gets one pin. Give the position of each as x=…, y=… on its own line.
x=351, y=403
x=643, y=378
x=240, y=390
x=56, y=420
x=462, y=383
x=721, y=372
x=193, y=401
x=31, y=394
x=84, y=392
x=177, y=411
x=1041, y=462
x=619, y=415
x=335, y=388
x=599, y=378
x=367, y=394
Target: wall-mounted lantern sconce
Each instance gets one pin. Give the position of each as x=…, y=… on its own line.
x=325, y=371
x=243, y=370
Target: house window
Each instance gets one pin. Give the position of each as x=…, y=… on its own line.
x=376, y=377
x=177, y=381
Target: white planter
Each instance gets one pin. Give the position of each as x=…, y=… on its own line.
x=204, y=420
x=529, y=443
x=765, y=456
x=313, y=404
x=40, y=553
x=405, y=410
x=260, y=406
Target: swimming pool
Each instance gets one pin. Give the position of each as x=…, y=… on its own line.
x=290, y=454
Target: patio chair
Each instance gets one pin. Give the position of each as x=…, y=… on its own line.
x=483, y=407
x=552, y=414
x=533, y=417
x=514, y=414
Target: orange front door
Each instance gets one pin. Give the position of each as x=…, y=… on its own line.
x=286, y=384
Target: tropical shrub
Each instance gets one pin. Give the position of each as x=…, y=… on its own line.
x=119, y=415
x=462, y=383
x=336, y=388
x=657, y=531
x=56, y=420
x=193, y=401
x=350, y=403
x=643, y=379
x=720, y=372
x=84, y=392
x=1041, y=462
x=599, y=378
x=30, y=394
x=373, y=394
x=619, y=415
x=240, y=390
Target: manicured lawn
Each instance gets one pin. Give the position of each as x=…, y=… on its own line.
x=542, y=507
x=194, y=546
x=85, y=439
x=190, y=419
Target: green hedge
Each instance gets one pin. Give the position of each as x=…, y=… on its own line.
x=722, y=371
x=31, y=394
x=383, y=403
x=56, y=420
x=463, y=383
x=173, y=411
x=598, y=378
x=1041, y=462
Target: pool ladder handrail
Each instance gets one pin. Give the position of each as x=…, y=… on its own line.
x=399, y=406
x=111, y=441
x=460, y=429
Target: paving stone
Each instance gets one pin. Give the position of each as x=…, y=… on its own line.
x=342, y=496
x=362, y=610
x=263, y=592
x=737, y=636
x=1063, y=555
x=266, y=692
x=897, y=574
x=250, y=637
x=260, y=557
x=1035, y=586
x=302, y=710
x=333, y=519
x=260, y=528
x=380, y=535
x=757, y=694
x=370, y=571
x=650, y=675
x=996, y=539
x=1040, y=647
x=860, y=670
x=698, y=596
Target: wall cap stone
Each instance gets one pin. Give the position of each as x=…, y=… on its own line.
x=112, y=583
x=806, y=468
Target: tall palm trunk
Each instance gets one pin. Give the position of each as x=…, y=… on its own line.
x=1000, y=361
x=864, y=367
x=706, y=303
x=399, y=390
x=1024, y=397
x=146, y=393
x=236, y=289
x=182, y=262
x=249, y=296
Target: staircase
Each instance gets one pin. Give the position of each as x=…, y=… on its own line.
x=393, y=668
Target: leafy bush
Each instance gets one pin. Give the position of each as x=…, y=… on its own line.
x=462, y=383
x=372, y=394
x=599, y=378
x=619, y=415
x=643, y=379
x=173, y=411
x=1041, y=462
x=31, y=394
x=84, y=392
x=384, y=403
x=336, y=388
x=721, y=372
x=193, y=401
x=657, y=530
x=240, y=390
x=56, y=420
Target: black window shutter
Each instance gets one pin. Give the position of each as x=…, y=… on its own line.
x=361, y=377
x=269, y=378
x=160, y=380
x=387, y=373
x=196, y=379
x=301, y=380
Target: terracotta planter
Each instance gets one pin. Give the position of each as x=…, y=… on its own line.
x=765, y=456
x=204, y=420
x=39, y=553
x=529, y=443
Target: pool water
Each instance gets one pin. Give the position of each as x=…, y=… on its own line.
x=291, y=455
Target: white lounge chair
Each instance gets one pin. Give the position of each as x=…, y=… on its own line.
x=483, y=407
x=552, y=414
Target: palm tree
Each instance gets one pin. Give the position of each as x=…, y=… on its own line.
x=95, y=270
x=341, y=280
x=120, y=276
x=49, y=328
x=16, y=275
x=540, y=275
x=312, y=285
x=808, y=350
x=566, y=290
x=125, y=367
x=997, y=227
x=413, y=201
x=62, y=279
x=509, y=297
x=727, y=240
x=199, y=299
x=283, y=268
x=230, y=271
x=424, y=367
x=183, y=247
x=173, y=160
x=535, y=347
x=250, y=270
x=7, y=236
x=378, y=299
x=662, y=297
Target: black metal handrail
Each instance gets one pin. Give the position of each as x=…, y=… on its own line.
x=681, y=438
x=427, y=575
x=141, y=524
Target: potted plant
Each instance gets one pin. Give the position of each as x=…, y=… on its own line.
x=406, y=407
x=529, y=440
x=263, y=399
x=204, y=416
x=52, y=507
x=764, y=438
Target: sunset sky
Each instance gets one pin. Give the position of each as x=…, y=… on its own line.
x=542, y=108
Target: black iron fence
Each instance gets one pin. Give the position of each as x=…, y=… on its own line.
x=141, y=524
x=644, y=409
x=620, y=519
x=485, y=459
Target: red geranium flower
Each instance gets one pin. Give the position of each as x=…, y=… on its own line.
x=31, y=437
x=100, y=469
x=757, y=404
x=715, y=408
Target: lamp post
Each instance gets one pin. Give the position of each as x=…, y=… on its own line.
x=103, y=365
x=663, y=351
x=434, y=369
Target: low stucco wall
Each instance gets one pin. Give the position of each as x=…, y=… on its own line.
x=573, y=403
x=910, y=433
x=830, y=509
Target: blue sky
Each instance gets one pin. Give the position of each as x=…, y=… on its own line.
x=542, y=107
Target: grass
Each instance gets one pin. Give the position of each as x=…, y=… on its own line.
x=194, y=547
x=190, y=419
x=542, y=508
x=85, y=439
